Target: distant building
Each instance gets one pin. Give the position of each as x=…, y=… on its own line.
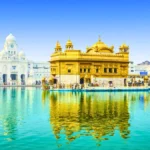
x=16, y=69
x=139, y=72
x=143, y=67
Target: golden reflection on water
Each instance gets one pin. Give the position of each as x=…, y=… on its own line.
x=99, y=115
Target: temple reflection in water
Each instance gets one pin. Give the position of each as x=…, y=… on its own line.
x=99, y=115
x=89, y=114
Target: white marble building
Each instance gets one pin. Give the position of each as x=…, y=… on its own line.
x=16, y=69
x=38, y=70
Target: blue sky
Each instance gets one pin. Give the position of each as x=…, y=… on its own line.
x=38, y=24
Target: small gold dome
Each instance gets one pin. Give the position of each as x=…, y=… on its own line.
x=69, y=45
x=124, y=46
x=69, y=42
x=58, y=47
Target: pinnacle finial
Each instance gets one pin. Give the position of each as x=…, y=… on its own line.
x=57, y=43
x=99, y=38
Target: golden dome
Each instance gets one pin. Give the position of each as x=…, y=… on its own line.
x=69, y=42
x=124, y=46
x=100, y=46
x=69, y=45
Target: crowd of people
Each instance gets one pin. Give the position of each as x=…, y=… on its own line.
x=108, y=84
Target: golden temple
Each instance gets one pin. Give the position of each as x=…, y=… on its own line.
x=99, y=64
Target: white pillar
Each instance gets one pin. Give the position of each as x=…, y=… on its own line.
x=25, y=79
x=9, y=79
x=1, y=79
x=18, y=79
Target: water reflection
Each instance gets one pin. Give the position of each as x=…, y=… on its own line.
x=89, y=114
x=98, y=115
x=14, y=106
x=73, y=116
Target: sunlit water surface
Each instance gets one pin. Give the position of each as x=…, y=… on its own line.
x=34, y=119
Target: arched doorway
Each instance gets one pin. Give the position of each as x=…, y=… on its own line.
x=13, y=77
x=110, y=83
x=55, y=81
x=5, y=79
x=22, y=79
x=81, y=80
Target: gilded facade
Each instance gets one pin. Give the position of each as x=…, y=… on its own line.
x=99, y=64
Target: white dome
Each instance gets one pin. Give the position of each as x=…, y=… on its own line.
x=21, y=54
x=10, y=38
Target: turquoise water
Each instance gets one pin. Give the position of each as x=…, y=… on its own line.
x=33, y=119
